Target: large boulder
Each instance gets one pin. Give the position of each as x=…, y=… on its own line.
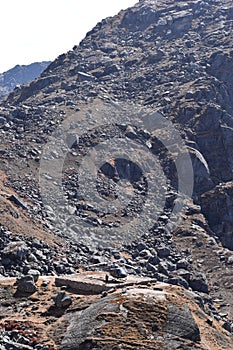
x=139, y=319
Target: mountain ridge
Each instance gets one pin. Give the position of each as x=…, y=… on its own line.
x=20, y=74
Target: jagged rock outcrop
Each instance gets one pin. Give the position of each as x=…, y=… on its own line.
x=217, y=205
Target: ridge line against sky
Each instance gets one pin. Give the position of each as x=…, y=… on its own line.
x=34, y=31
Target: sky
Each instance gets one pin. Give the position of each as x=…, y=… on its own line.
x=40, y=30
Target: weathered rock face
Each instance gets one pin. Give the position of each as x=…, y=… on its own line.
x=112, y=322
x=137, y=314
x=20, y=75
x=217, y=205
x=220, y=66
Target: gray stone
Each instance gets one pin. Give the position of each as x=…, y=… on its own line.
x=199, y=283
x=141, y=246
x=145, y=253
x=180, y=322
x=16, y=250
x=62, y=300
x=26, y=284
x=163, y=252
x=230, y=260
x=178, y=281
x=153, y=260
x=18, y=201
x=72, y=140
x=162, y=268
x=228, y=326
x=34, y=273
x=182, y=264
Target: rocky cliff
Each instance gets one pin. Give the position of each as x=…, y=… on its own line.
x=142, y=109
x=19, y=75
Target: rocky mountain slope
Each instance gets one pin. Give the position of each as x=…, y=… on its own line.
x=153, y=82
x=19, y=75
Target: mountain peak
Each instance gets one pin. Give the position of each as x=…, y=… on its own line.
x=20, y=74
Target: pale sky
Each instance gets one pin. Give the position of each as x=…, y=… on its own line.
x=40, y=30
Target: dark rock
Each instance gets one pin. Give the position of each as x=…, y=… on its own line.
x=16, y=250
x=153, y=260
x=228, y=326
x=184, y=274
x=34, y=273
x=186, y=327
x=162, y=268
x=163, y=252
x=62, y=300
x=199, y=283
x=141, y=246
x=145, y=253
x=18, y=201
x=182, y=264
x=178, y=281
x=26, y=284
x=217, y=206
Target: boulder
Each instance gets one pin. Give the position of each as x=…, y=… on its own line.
x=108, y=322
x=16, y=250
x=62, y=300
x=199, y=283
x=26, y=284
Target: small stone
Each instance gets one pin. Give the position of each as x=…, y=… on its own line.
x=230, y=260
x=163, y=252
x=141, y=246
x=62, y=300
x=153, y=260
x=199, y=283
x=26, y=284
x=178, y=281
x=16, y=250
x=34, y=273
x=182, y=264
x=228, y=326
x=210, y=321
x=162, y=268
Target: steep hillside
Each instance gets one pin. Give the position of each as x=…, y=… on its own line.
x=175, y=57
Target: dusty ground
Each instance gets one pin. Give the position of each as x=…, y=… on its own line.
x=18, y=220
